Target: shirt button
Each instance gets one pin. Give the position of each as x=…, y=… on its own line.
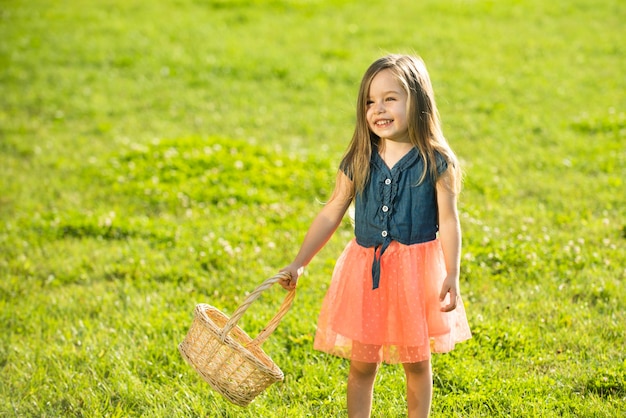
x=388, y=181
x=385, y=208
x=384, y=234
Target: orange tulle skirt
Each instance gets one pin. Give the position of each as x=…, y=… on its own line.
x=401, y=320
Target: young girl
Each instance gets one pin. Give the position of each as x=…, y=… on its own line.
x=394, y=295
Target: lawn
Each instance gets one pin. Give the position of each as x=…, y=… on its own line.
x=156, y=155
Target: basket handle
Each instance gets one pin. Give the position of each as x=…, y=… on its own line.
x=273, y=323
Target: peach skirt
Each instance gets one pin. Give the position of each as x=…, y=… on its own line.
x=401, y=321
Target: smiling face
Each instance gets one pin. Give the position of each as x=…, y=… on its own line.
x=387, y=104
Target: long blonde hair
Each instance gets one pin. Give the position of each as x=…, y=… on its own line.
x=424, y=126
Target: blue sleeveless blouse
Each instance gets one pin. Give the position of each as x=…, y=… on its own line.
x=394, y=206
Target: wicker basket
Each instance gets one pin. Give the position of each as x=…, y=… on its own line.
x=226, y=357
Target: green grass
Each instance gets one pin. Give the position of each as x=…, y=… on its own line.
x=155, y=155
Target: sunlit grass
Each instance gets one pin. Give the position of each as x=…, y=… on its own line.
x=156, y=155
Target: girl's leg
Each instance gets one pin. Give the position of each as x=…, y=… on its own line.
x=361, y=388
x=419, y=388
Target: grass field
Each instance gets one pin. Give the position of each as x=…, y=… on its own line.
x=155, y=155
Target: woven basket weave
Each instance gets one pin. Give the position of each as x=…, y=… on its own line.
x=225, y=356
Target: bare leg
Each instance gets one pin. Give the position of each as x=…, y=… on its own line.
x=419, y=388
x=361, y=388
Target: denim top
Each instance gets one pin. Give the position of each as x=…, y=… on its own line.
x=394, y=207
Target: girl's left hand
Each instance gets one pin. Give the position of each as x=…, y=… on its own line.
x=450, y=286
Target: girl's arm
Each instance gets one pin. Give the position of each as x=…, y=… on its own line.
x=321, y=229
x=450, y=238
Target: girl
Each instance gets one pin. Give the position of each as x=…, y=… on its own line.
x=394, y=295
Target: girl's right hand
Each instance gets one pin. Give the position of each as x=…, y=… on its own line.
x=294, y=272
